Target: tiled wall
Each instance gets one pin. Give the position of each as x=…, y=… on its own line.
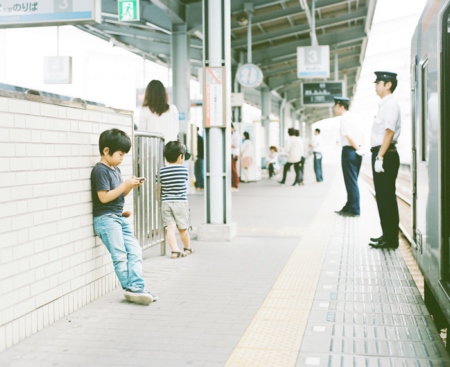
x=50, y=261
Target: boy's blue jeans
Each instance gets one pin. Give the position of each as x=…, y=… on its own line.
x=116, y=233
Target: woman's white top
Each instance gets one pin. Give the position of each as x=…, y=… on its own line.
x=295, y=149
x=167, y=124
x=247, y=148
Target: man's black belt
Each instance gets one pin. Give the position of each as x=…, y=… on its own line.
x=348, y=147
x=391, y=148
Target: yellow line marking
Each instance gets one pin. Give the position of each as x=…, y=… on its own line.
x=274, y=336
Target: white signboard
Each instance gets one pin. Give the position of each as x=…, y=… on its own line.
x=313, y=62
x=214, y=97
x=14, y=13
x=58, y=70
x=237, y=99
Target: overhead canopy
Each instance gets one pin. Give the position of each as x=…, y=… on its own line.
x=278, y=28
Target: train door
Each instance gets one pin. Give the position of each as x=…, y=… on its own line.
x=414, y=101
x=445, y=149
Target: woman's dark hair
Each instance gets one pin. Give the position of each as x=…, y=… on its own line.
x=172, y=151
x=115, y=140
x=246, y=135
x=273, y=147
x=156, y=98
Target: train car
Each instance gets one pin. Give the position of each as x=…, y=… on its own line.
x=430, y=88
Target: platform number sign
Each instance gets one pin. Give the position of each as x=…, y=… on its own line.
x=63, y=6
x=313, y=62
x=128, y=10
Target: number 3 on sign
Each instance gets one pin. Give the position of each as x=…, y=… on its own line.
x=312, y=56
x=63, y=4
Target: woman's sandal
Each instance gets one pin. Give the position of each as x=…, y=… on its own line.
x=189, y=250
x=177, y=254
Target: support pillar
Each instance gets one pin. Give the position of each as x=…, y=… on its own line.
x=216, y=54
x=265, y=115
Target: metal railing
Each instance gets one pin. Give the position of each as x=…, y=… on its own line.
x=148, y=157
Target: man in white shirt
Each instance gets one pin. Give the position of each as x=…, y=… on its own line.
x=350, y=160
x=385, y=159
x=316, y=144
x=235, y=151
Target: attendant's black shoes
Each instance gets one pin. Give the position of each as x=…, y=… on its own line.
x=376, y=240
x=348, y=214
x=340, y=212
x=384, y=245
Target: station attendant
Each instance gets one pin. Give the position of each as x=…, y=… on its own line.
x=385, y=160
x=351, y=136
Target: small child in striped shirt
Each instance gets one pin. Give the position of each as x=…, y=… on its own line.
x=175, y=209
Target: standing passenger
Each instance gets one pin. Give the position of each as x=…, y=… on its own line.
x=198, y=166
x=294, y=156
x=350, y=160
x=246, y=156
x=235, y=148
x=115, y=230
x=157, y=116
x=316, y=144
x=385, y=160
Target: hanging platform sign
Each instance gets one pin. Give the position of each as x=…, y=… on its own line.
x=313, y=62
x=15, y=14
x=321, y=94
x=214, y=97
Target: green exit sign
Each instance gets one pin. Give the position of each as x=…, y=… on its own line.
x=128, y=10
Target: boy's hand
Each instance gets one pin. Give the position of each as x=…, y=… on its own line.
x=133, y=182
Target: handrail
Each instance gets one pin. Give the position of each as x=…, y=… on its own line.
x=148, y=157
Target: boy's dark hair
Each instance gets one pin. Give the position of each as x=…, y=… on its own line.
x=297, y=132
x=274, y=148
x=291, y=131
x=172, y=151
x=115, y=140
x=318, y=131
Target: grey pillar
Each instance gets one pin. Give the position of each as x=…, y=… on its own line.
x=265, y=115
x=216, y=54
x=181, y=71
x=282, y=124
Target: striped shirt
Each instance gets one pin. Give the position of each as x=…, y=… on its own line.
x=174, y=179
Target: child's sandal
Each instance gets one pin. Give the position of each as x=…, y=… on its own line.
x=189, y=251
x=177, y=254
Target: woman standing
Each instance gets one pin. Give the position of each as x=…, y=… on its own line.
x=157, y=116
x=246, y=156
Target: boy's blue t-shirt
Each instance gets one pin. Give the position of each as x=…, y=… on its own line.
x=104, y=178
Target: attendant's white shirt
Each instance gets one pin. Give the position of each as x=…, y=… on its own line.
x=317, y=143
x=167, y=124
x=236, y=142
x=387, y=117
x=350, y=127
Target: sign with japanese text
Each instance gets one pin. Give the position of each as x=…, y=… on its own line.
x=214, y=97
x=313, y=62
x=15, y=13
x=321, y=94
x=128, y=10
x=58, y=70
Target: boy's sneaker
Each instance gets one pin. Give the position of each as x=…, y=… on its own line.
x=154, y=296
x=141, y=297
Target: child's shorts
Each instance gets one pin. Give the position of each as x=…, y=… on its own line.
x=175, y=212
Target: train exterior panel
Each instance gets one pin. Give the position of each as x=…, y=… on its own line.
x=430, y=88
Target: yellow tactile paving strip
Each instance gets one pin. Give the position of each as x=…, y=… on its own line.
x=275, y=334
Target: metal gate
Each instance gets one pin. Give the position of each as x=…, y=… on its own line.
x=148, y=157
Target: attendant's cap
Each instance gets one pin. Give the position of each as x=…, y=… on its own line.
x=385, y=76
x=341, y=100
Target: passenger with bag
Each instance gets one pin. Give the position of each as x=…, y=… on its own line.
x=246, y=157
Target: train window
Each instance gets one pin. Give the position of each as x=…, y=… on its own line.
x=424, y=111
